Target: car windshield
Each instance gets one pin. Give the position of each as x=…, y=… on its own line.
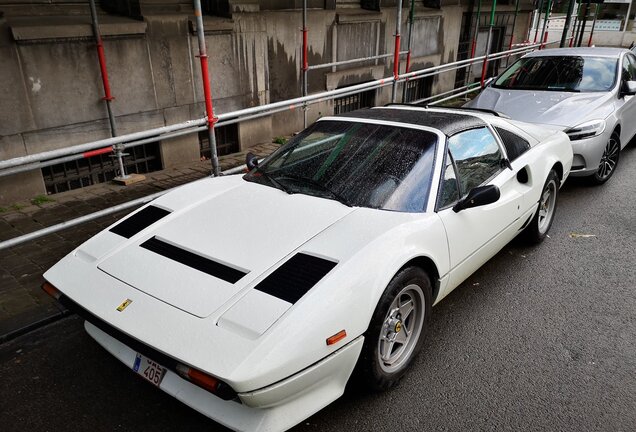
x=358, y=164
x=560, y=73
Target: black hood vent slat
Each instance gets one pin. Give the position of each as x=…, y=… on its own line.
x=193, y=260
x=139, y=221
x=295, y=277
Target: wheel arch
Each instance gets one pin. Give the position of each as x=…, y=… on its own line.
x=429, y=266
x=558, y=167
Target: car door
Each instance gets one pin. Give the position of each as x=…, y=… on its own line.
x=627, y=104
x=475, y=158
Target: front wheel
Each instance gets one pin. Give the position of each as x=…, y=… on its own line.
x=609, y=160
x=540, y=224
x=397, y=329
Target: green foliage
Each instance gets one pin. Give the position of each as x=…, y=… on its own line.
x=41, y=199
x=280, y=140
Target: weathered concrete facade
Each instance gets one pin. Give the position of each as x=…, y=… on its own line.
x=51, y=90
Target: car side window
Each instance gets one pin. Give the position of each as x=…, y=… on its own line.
x=515, y=145
x=449, y=189
x=477, y=157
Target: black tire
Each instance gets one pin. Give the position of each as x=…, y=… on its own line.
x=609, y=161
x=410, y=283
x=542, y=220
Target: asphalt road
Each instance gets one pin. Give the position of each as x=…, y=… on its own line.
x=541, y=338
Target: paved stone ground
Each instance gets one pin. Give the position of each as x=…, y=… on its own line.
x=23, y=305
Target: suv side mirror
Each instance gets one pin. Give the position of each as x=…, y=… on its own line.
x=251, y=160
x=478, y=196
x=628, y=88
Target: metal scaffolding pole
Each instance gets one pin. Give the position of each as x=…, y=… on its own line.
x=408, y=50
x=584, y=23
x=538, y=15
x=484, y=66
x=548, y=11
x=629, y=11
x=396, y=52
x=568, y=21
x=108, y=97
x=596, y=10
x=473, y=45
x=514, y=23
x=512, y=32
x=305, y=61
x=575, y=26
x=207, y=93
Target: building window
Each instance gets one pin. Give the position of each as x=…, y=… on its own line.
x=99, y=169
x=418, y=89
x=353, y=102
x=226, y=141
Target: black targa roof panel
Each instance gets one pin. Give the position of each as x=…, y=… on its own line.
x=448, y=123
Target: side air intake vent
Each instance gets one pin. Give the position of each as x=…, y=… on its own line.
x=198, y=262
x=139, y=221
x=294, y=278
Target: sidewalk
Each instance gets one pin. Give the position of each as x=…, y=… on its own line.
x=23, y=305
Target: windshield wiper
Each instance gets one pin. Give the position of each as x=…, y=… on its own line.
x=271, y=179
x=312, y=182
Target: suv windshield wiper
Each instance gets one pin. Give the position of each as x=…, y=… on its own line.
x=312, y=182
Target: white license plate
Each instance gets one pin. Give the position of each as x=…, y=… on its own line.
x=148, y=369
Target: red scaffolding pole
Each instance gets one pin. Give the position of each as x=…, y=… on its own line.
x=207, y=93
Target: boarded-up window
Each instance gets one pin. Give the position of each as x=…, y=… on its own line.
x=357, y=40
x=426, y=36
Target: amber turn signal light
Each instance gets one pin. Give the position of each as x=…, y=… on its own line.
x=199, y=378
x=337, y=337
x=51, y=290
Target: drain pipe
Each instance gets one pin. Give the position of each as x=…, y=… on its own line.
x=305, y=61
x=207, y=93
x=408, y=50
x=396, y=52
x=492, y=24
x=108, y=97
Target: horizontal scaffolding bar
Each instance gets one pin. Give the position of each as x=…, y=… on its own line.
x=358, y=60
x=22, y=160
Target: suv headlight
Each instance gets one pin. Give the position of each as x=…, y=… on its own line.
x=586, y=130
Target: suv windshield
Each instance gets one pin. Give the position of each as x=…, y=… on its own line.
x=560, y=73
x=358, y=164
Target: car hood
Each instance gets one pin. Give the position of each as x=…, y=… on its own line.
x=564, y=109
x=236, y=226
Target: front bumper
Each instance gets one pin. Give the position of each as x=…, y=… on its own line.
x=588, y=153
x=276, y=407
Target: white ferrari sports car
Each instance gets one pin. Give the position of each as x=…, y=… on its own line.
x=252, y=298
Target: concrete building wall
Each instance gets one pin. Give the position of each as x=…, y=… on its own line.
x=52, y=91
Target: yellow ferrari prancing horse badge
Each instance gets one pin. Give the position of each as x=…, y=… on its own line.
x=124, y=305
